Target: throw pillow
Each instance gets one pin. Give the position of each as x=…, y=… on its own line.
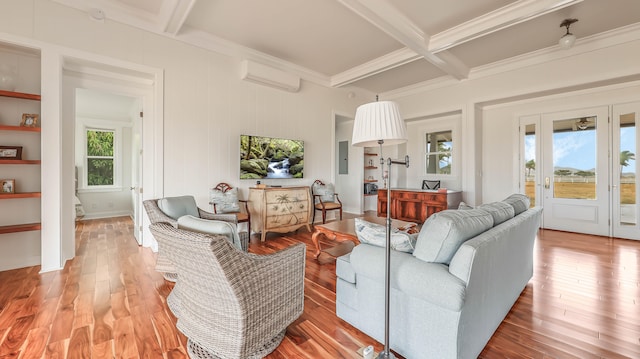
x=499, y=210
x=519, y=202
x=376, y=234
x=444, y=232
x=226, y=202
x=326, y=192
x=463, y=205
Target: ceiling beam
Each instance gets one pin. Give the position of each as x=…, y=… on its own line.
x=493, y=21
x=387, y=18
x=174, y=16
x=375, y=66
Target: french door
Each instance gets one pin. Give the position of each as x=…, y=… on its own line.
x=565, y=168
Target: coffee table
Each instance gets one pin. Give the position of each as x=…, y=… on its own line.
x=345, y=230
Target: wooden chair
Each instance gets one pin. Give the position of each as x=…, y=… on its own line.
x=242, y=212
x=324, y=199
x=430, y=184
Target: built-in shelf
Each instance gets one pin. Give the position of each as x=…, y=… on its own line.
x=370, y=181
x=370, y=167
x=20, y=195
x=20, y=162
x=370, y=154
x=26, y=96
x=20, y=228
x=369, y=195
x=20, y=128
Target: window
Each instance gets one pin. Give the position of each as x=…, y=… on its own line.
x=100, y=157
x=439, y=147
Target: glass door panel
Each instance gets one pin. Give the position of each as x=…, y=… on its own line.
x=575, y=176
x=574, y=158
x=625, y=185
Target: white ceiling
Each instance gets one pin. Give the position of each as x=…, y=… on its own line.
x=378, y=45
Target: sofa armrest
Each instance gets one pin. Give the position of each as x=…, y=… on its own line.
x=431, y=282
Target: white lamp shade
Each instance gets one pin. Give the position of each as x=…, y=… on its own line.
x=376, y=121
x=567, y=40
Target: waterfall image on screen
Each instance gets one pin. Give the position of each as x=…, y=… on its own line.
x=267, y=157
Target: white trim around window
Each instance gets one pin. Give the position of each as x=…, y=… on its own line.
x=86, y=124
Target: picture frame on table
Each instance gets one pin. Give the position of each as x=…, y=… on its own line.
x=10, y=152
x=7, y=186
x=29, y=120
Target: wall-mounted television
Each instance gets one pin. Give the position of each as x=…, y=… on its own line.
x=270, y=158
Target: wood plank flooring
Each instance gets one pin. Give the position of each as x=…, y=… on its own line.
x=108, y=302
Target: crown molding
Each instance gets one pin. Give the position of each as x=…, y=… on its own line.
x=493, y=21
x=585, y=45
x=213, y=43
x=383, y=63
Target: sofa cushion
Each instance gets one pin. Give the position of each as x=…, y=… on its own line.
x=499, y=210
x=176, y=207
x=344, y=270
x=519, y=202
x=376, y=234
x=210, y=226
x=226, y=202
x=444, y=232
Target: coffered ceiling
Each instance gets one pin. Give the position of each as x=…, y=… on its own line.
x=378, y=45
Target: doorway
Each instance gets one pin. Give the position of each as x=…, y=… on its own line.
x=580, y=167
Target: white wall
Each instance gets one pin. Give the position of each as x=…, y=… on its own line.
x=206, y=105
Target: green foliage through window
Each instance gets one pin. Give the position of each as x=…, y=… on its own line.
x=439, y=147
x=100, y=159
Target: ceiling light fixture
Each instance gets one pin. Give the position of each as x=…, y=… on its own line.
x=567, y=40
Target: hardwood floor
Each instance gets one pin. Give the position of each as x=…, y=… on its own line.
x=108, y=302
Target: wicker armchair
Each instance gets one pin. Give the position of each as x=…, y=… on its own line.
x=163, y=264
x=224, y=312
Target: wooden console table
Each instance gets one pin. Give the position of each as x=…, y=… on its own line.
x=279, y=209
x=416, y=205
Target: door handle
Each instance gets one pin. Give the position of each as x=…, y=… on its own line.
x=547, y=182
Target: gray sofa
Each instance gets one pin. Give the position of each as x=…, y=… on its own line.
x=449, y=296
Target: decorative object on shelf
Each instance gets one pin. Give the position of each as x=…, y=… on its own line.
x=7, y=186
x=29, y=120
x=7, y=78
x=10, y=152
x=380, y=123
x=567, y=40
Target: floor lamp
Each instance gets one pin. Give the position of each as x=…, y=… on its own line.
x=380, y=123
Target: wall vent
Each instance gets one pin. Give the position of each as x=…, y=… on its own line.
x=269, y=76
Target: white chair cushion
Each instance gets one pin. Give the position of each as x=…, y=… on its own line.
x=176, y=207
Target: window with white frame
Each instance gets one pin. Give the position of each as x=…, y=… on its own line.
x=100, y=157
x=439, y=152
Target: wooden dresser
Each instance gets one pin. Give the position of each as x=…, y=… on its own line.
x=280, y=209
x=416, y=205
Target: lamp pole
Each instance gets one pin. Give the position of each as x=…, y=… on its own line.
x=387, y=354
